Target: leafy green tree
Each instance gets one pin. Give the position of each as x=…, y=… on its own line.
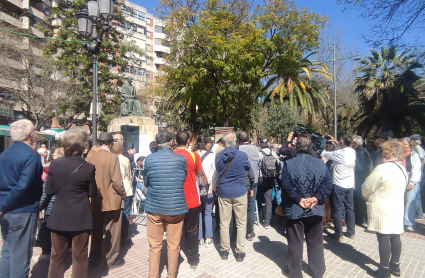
x=76, y=62
x=277, y=121
x=295, y=82
x=389, y=90
x=224, y=50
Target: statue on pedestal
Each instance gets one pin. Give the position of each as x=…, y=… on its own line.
x=130, y=105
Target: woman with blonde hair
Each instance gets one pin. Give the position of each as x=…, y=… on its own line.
x=384, y=191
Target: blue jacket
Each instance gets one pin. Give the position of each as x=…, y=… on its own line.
x=232, y=184
x=304, y=176
x=21, y=185
x=164, y=174
x=46, y=201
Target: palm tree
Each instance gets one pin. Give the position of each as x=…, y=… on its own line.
x=389, y=89
x=296, y=83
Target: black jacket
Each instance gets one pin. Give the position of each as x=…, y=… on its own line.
x=71, y=210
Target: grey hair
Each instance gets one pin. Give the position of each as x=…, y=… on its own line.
x=303, y=143
x=75, y=141
x=19, y=130
x=229, y=139
x=411, y=144
x=42, y=151
x=358, y=140
x=416, y=142
x=164, y=145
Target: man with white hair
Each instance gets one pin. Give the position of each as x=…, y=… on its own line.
x=20, y=192
x=231, y=165
x=361, y=171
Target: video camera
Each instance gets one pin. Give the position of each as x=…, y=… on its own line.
x=318, y=142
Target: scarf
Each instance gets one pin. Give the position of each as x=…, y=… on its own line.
x=407, y=152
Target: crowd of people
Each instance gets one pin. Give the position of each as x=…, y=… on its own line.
x=188, y=180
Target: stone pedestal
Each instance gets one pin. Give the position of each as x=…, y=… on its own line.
x=146, y=125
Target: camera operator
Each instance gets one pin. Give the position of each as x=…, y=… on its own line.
x=288, y=148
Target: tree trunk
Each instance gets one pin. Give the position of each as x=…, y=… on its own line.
x=385, y=124
x=192, y=114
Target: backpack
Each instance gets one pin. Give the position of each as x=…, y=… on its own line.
x=268, y=167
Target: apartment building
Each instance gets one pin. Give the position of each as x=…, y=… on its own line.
x=24, y=14
x=147, y=32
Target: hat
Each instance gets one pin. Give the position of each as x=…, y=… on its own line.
x=263, y=141
x=163, y=137
x=106, y=137
x=382, y=136
x=415, y=137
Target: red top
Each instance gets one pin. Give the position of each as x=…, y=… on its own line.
x=190, y=189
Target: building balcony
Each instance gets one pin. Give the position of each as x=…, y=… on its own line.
x=10, y=19
x=161, y=48
x=157, y=35
x=159, y=61
x=16, y=3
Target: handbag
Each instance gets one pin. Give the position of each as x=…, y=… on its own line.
x=203, y=189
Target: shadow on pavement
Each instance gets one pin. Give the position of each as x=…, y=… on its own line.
x=273, y=250
x=348, y=253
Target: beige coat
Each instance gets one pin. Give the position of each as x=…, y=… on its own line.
x=109, y=181
x=126, y=174
x=384, y=189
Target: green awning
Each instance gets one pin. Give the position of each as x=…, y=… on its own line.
x=4, y=130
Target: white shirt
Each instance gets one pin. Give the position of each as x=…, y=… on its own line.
x=209, y=168
x=344, y=161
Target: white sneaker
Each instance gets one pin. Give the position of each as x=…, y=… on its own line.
x=42, y=258
x=410, y=228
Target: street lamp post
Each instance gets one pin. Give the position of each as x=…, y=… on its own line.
x=334, y=85
x=87, y=17
x=344, y=121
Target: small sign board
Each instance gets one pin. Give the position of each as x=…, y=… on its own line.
x=6, y=109
x=220, y=131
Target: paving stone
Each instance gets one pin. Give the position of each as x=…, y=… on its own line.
x=266, y=257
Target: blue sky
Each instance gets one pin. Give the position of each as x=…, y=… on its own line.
x=351, y=26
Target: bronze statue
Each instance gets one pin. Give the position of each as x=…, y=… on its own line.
x=130, y=105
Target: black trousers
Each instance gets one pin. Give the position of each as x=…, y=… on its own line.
x=268, y=193
x=44, y=236
x=389, y=246
x=312, y=228
x=360, y=208
x=191, y=228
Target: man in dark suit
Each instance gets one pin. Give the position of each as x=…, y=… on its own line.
x=20, y=191
x=107, y=204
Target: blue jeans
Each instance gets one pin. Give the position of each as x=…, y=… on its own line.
x=125, y=217
x=343, y=198
x=251, y=212
x=18, y=230
x=410, y=209
x=418, y=202
x=205, y=217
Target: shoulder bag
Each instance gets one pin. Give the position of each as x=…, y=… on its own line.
x=203, y=189
x=225, y=171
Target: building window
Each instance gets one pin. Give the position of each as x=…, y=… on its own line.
x=148, y=74
x=133, y=13
x=160, y=29
x=157, y=41
x=148, y=47
x=148, y=61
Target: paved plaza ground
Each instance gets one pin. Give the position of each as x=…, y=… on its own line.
x=266, y=257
